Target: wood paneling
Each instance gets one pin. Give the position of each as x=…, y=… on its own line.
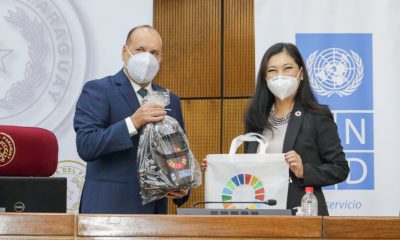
x=232, y=123
x=361, y=227
x=202, y=124
x=208, y=44
x=199, y=226
x=37, y=225
x=238, y=48
x=191, y=32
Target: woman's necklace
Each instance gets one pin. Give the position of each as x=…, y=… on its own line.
x=277, y=121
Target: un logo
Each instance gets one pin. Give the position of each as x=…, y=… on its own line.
x=335, y=71
x=42, y=62
x=75, y=172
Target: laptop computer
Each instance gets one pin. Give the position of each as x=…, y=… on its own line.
x=33, y=194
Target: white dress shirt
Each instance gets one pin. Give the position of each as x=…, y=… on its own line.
x=131, y=128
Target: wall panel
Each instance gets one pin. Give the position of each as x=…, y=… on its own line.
x=208, y=44
x=191, y=31
x=233, y=112
x=238, y=48
x=202, y=124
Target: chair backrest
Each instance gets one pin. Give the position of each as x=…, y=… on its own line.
x=27, y=151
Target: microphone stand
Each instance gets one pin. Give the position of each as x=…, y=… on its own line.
x=270, y=202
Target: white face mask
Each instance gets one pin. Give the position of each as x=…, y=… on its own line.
x=283, y=86
x=142, y=67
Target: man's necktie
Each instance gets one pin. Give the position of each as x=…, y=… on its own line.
x=142, y=92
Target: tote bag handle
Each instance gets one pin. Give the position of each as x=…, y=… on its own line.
x=249, y=137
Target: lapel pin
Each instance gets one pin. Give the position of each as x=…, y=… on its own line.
x=297, y=113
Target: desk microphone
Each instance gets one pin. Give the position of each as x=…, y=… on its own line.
x=269, y=202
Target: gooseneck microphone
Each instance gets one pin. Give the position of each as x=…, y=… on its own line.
x=269, y=202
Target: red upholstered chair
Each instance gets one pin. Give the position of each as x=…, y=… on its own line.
x=27, y=151
x=28, y=156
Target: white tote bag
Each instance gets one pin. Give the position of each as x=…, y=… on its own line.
x=253, y=178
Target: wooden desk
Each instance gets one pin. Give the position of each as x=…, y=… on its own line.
x=34, y=226
x=40, y=226
x=197, y=227
x=361, y=227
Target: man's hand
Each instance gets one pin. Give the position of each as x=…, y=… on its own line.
x=147, y=113
x=177, y=194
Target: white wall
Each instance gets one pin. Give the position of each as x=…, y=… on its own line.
x=77, y=41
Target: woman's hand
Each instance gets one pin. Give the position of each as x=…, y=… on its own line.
x=204, y=165
x=295, y=163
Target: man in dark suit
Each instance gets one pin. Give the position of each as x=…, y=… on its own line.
x=108, y=120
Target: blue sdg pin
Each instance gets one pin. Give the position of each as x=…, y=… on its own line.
x=340, y=69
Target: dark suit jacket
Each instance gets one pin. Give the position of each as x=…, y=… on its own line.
x=314, y=137
x=103, y=141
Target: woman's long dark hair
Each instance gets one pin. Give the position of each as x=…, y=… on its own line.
x=263, y=99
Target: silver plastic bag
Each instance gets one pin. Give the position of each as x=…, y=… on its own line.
x=165, y=161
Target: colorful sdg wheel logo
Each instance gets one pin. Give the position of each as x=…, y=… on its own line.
x=178, y=162
x=243, y=187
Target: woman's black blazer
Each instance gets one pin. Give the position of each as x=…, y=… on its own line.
x=315, y=138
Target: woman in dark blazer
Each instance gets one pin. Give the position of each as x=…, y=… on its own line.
x=286, y=112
